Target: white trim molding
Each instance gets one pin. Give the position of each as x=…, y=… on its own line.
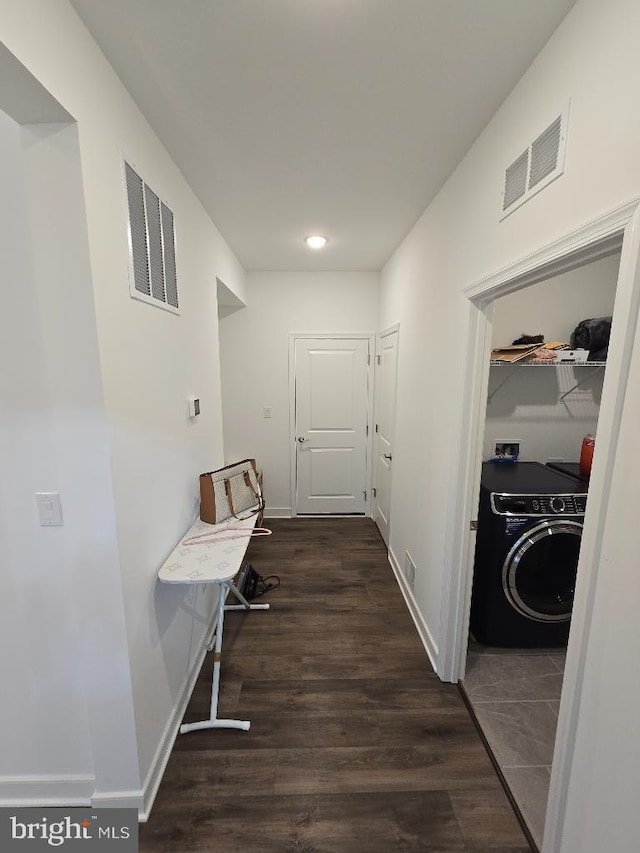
x=277, y=512
x=121, y=800
x=617, y=229
x=422, y=628
x=46, y=791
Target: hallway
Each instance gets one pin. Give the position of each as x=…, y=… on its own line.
x=355, y=746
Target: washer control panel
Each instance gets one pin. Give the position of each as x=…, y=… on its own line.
x=538, y=505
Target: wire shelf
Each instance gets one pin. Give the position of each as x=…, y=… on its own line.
x=548, y=363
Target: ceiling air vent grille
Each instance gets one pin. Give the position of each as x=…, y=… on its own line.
x=152, y=249
x=537, y=167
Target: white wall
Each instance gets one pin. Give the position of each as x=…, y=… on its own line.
x=254, y=352
x=150, y=362
x=60, y=257
x=554, y=307
x=592, y=59
x=528, y=406
x=47, y=658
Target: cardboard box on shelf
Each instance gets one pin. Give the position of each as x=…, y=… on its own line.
x=514, y=353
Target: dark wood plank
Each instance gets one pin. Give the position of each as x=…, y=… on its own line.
x=411, y=768
x=365, y=665
x=353, y=822
x=355, y=745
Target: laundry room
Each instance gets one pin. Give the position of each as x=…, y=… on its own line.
x=548, y=363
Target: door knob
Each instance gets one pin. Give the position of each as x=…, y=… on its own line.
x=387, y=456
x=301, y=438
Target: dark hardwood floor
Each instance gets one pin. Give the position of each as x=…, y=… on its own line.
x=355, y=745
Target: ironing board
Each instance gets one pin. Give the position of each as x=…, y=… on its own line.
x=213, y=562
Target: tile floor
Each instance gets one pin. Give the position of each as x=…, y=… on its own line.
x=515, y=694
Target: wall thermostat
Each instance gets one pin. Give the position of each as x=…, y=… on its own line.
x=193, y=406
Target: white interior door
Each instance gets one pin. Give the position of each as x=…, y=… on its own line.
x=386, y=364
x=331, y=405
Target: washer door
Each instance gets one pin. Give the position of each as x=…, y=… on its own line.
x=539, y=572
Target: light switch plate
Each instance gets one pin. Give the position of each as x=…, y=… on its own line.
x=193, y=407
x=49, y=509
x=266, y=411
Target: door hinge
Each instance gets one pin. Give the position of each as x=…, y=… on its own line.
x=376, y=427
x=374, y=492
x=378, y=359
x=365, y=495
x=367, y=429
x=368, y=359
x=473, y=525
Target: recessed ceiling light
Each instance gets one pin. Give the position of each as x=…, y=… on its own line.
x=315, y=241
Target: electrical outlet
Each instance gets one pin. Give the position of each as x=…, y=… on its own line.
x=506, y=450
x=555, y=459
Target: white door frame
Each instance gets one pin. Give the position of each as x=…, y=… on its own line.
x=376, y=402
x=293, y=459
x=596, y=239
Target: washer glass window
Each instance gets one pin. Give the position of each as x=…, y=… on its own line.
x=539, y=573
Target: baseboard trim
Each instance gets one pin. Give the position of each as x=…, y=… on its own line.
x=163, y=751
x=46, y=791
x=424, y=633
x=120, y=800
x=277, y=512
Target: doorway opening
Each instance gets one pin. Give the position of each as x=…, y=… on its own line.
x=542, y=403
x=595, y=240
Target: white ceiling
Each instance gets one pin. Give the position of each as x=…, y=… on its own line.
x=338, y=117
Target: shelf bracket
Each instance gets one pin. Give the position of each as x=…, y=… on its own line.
x=497, y=388
x=581, y=382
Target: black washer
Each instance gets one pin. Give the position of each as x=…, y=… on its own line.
x=527, y=547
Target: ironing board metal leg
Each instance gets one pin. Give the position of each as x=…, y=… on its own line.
x=214, y=722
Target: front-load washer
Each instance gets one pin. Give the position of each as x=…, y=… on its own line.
x=528, y=541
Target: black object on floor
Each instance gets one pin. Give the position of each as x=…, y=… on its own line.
x=254, y=585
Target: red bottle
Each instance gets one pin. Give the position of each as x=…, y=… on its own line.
x=586, y=454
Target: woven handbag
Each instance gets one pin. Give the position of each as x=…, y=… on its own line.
x=229, y=491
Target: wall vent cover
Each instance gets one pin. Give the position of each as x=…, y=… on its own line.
x=537, y=167
x=152, y=245
x=515, y=183
x=409, y=571
x=544, y=153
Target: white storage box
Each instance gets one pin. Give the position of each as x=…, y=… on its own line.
x=572, y=356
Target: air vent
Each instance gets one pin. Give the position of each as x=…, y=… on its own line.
x=515, y=184
x=137, y=232
x=152, y=251
x=169, y=254
x=409, y=571
x=544, y=153
x=537, y=167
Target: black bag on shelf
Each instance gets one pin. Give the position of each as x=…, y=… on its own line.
x=593, y=335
